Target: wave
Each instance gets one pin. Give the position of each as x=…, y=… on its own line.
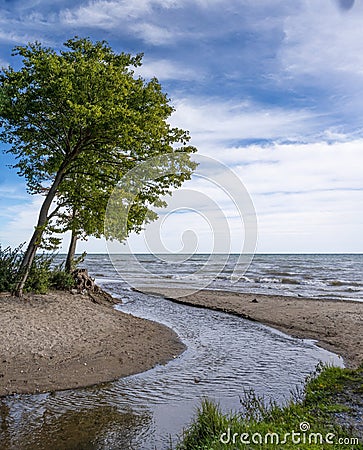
x=109, y=280
x=268, y=280
x=313, y=282
x=280, y=273
x=344, y=283
x=306, y=275
x=291, y=281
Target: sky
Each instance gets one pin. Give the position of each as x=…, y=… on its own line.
x=272, y=89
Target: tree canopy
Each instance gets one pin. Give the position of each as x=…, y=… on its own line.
x=77, y=120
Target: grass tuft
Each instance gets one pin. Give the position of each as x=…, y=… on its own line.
x=311, y=417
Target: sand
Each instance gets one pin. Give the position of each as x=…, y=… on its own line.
x=60, y=341
x=335, y=325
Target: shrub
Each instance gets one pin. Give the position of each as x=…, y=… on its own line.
x=39, y=279
x=62, y=280
x=9, y=266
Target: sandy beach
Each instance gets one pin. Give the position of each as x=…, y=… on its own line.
x=61, y=341
x=335, y=325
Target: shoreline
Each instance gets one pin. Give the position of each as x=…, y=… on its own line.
x=60, y=341
x=335, y=325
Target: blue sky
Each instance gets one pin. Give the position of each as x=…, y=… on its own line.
x=271, y=88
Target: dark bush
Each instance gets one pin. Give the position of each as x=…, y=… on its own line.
x=61, y=280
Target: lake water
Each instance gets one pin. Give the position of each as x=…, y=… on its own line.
x=319, y=276
x=225, y=355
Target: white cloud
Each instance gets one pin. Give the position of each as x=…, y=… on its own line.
x=307, y=198
x=13, y=37
x=21, y=221
x=154, y=34
x=323, y=42
x=108, y=13
x=136, y=17
x=11, y=192
x=104, y=13
x=299, y=167
x=215, y=120
x=164, y=69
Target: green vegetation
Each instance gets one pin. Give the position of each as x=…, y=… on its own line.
x=77, y=121
x=43, y=276
x=259, y=426
x=9, y=266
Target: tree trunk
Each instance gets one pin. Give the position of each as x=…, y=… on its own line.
x=36, y=239
x=27, y=261
x=71, y=252
x=43, y=218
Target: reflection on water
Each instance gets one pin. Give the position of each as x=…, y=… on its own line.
x=226, y=354
x=83, y=429
x=63, y=421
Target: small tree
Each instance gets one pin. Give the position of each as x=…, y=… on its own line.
x=89, y=195
x=79, y=117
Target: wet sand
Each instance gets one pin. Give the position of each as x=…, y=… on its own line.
x=335, y=325
x=61, y=341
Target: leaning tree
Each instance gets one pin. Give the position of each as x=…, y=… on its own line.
x=81, y=118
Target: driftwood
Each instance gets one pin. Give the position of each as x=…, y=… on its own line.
x=86, y=284
x=83, y=281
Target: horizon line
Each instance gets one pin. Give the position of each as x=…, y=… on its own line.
x=231, y=253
